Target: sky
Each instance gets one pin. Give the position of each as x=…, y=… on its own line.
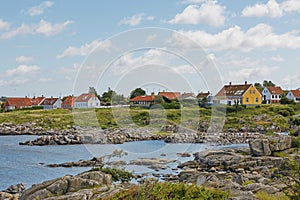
x=58, y=48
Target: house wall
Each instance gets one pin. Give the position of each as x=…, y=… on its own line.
x=292, y=97
x=251, y=97
x=270, y=98
x=93, y=102
x=57, y=104
x=80, y=104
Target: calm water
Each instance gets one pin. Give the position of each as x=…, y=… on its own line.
x=25, y=164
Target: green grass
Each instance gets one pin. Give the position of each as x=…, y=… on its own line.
x=280, y=115
x=170, y=191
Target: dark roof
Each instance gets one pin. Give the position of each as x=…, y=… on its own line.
x=275, y=90
x=233, y=90
x=49, y=101
x=170, y=95
x=201, y=95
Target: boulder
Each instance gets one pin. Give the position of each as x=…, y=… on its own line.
x=280, y=142
x=77, y=185
x=260, y=147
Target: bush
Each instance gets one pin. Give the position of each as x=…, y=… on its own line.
x=117, y=174
x=170, y=191
x=296, y=142
x=262, y=195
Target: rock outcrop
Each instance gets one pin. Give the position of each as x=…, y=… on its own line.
x=95, y=136
x=235, y=171
x=265, y=147
x=81, y=186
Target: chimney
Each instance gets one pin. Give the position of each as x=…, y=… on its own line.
x=152, y=95
x=246, y=82
x=230, y=83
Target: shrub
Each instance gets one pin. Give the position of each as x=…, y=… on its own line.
x=262, y=195
x=170, y=191
x=117, y=174
x=296, y=142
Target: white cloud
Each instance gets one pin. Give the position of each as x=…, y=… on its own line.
x=277, y=58
x=4, y=24
x=44, y=79
x=209, y=13
x=38, y=10
x=43, y=28
x=291, y=6
x=22, y=69
x=291, y=81
x=234, y=38
x=238, y=69
x=150, y=38
x=193, y=1
x=85, y=49
x=135, y=19
x=13, y=82
x=271, y=9
x=23, y=59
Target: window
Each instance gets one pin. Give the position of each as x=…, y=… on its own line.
x=256, y=100
x=272, y=96
x=247, y=99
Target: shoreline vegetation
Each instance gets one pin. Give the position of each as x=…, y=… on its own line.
x=268, y=169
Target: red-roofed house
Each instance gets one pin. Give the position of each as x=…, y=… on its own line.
x=272, y=94
x=294, y=95
x=143, y=101
x=51, y=103
x=169, y=96
x=87, y=100
x=36, y=101
x=68, y=103
x=17, y=103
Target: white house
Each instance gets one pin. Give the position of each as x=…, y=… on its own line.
x=87, y=100
x=294, y=95
x=51, y=103
x=272, y=94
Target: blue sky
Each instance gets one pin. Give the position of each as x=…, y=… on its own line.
x=46, y=44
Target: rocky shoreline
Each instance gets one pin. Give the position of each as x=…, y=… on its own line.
x=172, y=134
x=243, y=172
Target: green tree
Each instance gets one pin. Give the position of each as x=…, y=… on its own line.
x=258, y=86
x=111, y=97
x=268, y=83
x=137, y=92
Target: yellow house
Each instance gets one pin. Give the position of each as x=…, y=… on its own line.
x=244, y=94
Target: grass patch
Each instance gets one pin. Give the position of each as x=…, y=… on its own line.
x=170, y=191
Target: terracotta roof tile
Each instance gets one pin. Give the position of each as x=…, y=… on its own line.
x=85, y=97
x=275, y=90
x=36, y=100
x=18, y=102
x=68, y=102
x=296, y=93
x=143, y=98
x=170, y=95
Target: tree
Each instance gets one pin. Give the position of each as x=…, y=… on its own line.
x=111, y=97
x=92, y=90
x=137, y=92
x=258, y=86
x=268, y=83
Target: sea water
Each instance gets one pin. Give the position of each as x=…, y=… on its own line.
x=27, y=164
